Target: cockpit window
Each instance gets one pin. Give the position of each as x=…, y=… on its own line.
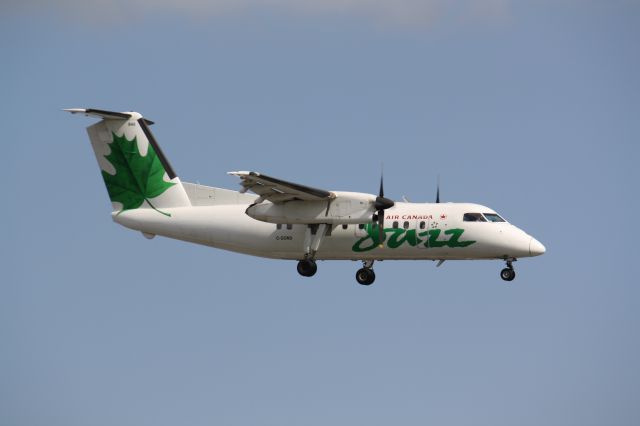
x=473, y=217
x=493, y=217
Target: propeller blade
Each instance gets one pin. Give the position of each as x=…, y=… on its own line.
x=381, y=233
x=380, y=205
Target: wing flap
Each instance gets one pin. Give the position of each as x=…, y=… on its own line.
x=278, y=190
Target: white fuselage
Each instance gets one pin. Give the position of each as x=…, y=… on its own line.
x=412, y=231
x=274, y=218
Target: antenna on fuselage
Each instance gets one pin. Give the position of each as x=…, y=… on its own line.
x=438, y=191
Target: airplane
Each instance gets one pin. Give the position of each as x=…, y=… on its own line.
x=286, y=220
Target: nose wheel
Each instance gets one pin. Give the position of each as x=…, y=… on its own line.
x=365, y=275
x=508, y=273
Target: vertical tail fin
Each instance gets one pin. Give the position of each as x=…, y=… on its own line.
x=134, y=168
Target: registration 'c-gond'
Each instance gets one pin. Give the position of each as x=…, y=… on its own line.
x=286, y=220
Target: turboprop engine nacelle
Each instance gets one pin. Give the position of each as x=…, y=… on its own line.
x=345, y=208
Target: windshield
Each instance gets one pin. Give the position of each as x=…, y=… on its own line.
x=473, y=217
x=494, y=217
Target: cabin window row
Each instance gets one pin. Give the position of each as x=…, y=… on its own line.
x=467, y=217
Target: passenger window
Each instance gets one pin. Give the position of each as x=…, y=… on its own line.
x=473, y=217
x=361, y=226
x=345, y=226
x=405, y=225
x=279, y=226
x=493, y=217
x=395, y=225
x=289, y=226
x=422, y=225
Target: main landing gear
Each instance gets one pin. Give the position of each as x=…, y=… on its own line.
x=307, y=267
x=365, y=275
x=508, y=273
x=313, y=236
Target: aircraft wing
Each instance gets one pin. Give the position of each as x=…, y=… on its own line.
x=279, y=191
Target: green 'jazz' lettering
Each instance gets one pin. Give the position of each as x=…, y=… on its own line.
x=401, y=236
x=455, y=236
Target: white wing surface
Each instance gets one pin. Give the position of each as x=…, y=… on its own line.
x=280, y=191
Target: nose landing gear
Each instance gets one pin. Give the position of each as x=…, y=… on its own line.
x=508, y=273
x=365, y=275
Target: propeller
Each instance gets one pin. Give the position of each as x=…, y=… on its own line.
x=380, y=205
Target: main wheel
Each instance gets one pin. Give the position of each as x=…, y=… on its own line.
x=365, y=276
x=507, y=274
x=307, y=267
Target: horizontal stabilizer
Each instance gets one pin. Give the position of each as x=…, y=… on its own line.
x=106, y=115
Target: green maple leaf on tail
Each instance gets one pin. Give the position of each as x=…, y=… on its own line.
x=137, y=178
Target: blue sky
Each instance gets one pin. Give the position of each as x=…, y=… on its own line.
x=528, y=107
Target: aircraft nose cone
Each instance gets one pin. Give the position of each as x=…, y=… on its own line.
x=536, y=248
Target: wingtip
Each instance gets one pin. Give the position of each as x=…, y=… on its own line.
x=75, y=110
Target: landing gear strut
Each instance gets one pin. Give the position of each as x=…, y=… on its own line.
x=307, y=267
x=508, y=274
x=365, y=275
x=313, y=236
